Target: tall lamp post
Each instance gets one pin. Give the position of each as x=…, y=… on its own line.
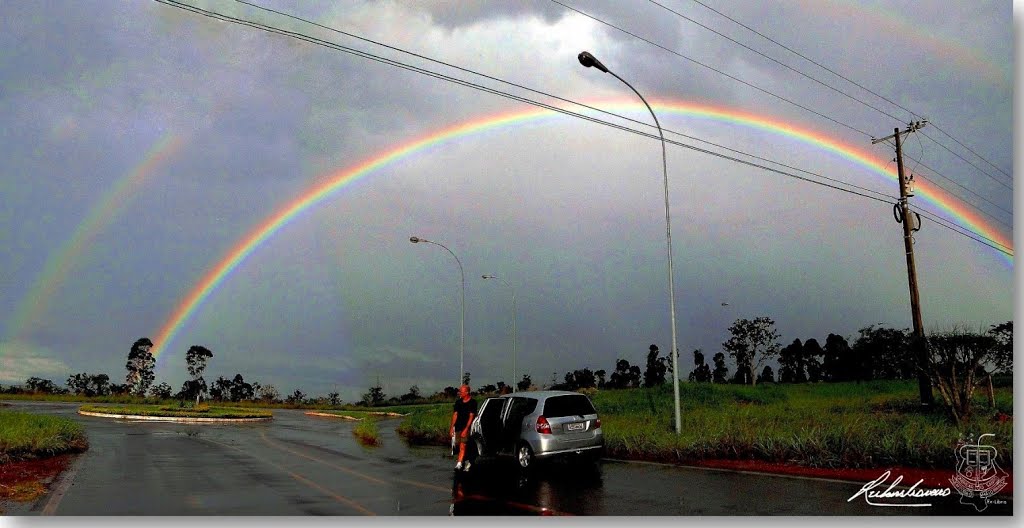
x=588, y=60
x=515, y=371
x=462, y=325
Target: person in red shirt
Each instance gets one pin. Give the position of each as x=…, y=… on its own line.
x=462, y=416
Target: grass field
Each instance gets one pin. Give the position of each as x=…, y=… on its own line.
x=178, y=412
x=24, y=436
x=833, y=425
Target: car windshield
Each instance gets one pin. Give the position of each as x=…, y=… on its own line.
x=569, y=405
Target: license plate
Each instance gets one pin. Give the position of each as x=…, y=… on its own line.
x=576, y=426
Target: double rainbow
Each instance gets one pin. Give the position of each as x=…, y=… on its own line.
x=340, y=179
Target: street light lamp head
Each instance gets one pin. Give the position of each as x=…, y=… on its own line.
x=414, y=239
x=589, y=60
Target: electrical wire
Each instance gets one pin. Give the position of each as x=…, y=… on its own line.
x=780, y=63
x=716, y=70
x=756, y=87
x=441, y=76
x=556, y=97
x=983, y=171
x=913, y=114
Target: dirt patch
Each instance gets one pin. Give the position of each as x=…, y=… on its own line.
x=29, y=480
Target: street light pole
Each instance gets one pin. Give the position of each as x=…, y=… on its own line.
x=588, y=60
x=462, y=324
x=515, y=371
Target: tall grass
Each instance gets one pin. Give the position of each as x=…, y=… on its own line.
x=367, y=432
x=867, y=424
x=25, y=436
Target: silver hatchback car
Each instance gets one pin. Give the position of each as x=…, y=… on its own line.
x=541, y=424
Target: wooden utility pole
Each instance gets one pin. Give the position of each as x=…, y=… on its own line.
x=902, y=213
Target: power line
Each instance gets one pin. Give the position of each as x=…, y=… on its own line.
x=556, y=97
x=971, y=151
x=829, y=86
x=855, y=83
x=441, y=76
x=763, y=55
x=983, y=171
x=964, y=198
x=716, y=70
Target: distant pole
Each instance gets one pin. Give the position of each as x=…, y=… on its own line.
x=904, y=217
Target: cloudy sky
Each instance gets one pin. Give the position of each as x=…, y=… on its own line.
x=144, y=144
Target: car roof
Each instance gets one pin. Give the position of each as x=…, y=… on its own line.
x=541, y=395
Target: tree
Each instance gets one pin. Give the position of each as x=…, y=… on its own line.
x=767, y=375
x=791, y=365
x=240, y=390
x=812, y=360
x=99, y=385
x=656, y=368
x=884, y=353
x=600, y=378
x=162, y=391
x=39, y=385
x=118, y=389
x=192, y=389
x=375, y=396
x=268, y=394
x=196, y=359
x=954, y=361
x=752, y=344
x=625, y=375
x=1002, y=355
x=701, y=373
x=78, y=384
x=838, y=363
x=488, y=389
x=412, y=395
x=721, y=372
x=465, y=378
x=335, y=399
x=140, y=367
x=296, y=398
x=523, y=384
x=221, y=389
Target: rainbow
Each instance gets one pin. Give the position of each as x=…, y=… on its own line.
x=943, y=45
x=60, y=262
x=340, y=179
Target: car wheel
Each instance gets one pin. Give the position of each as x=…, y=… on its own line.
x=524, y=455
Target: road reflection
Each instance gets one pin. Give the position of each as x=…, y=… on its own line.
x=501, y=487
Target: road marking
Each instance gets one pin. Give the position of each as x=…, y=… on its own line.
x=304, y=480
x=527, y=507
x=65, y=484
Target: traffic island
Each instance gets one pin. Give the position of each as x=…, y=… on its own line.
x=157, y=413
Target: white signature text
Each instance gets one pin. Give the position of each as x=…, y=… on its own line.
x=874, y=496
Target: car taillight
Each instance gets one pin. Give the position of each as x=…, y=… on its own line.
x=597, y=423
x=543, y=427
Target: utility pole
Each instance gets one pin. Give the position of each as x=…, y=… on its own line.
x=901, y=211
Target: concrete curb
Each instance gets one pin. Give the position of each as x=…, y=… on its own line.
x=353, y=418
x=329, y=415
x=179, y=419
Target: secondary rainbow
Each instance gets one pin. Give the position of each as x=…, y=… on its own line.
x=60, y=262
x=339, y=179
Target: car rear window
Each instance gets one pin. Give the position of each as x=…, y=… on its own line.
x=569, y=405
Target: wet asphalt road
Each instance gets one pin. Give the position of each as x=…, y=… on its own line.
x=302, y=465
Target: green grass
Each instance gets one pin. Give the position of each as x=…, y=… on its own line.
x=24, y=436
x=819, y=425
x=367, y=433
x=178, y=412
